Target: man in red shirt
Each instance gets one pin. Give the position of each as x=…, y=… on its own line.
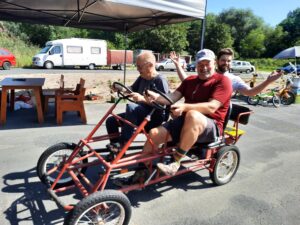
x=200, y=118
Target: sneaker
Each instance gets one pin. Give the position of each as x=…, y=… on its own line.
x=114, y=147
x=139, y=176
x=170, y=169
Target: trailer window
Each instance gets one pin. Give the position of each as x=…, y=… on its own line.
x=74, y=49
x=95, y=50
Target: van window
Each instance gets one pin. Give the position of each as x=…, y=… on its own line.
x=74, y=49
x=46, y=49
x=95, y=50
x=55, y=50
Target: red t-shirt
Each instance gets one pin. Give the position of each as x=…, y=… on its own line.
x=217, y=87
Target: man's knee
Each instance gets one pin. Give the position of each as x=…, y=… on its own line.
x=158, y=134
x=195, y=119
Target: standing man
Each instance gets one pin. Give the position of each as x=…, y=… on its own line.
x=200, y=118
x=135, y=113
x=224, y=59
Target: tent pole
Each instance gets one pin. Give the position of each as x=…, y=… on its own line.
x=203, y=28
x=125, y=55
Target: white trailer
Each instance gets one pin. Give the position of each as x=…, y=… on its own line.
x=72, y=52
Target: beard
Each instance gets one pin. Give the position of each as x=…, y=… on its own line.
x=223, y=68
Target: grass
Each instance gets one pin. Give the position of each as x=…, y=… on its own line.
x=22, y=51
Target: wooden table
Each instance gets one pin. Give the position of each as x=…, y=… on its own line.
x=34, y=84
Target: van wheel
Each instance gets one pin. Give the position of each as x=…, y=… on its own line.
x=114, y=67
x=160, y=68
x=91, y=66
x=248, y=71
x=6, y=65
x=48, y=65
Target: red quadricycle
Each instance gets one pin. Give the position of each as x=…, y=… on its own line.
x=63, y=167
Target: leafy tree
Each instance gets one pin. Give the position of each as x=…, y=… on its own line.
x=241, y=22
x=194, y=36
x=252, y=46
x=275, y=41
x=162, y=39
x=217, y=35
x=292, y=25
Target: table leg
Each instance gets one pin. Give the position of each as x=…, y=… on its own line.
x=37, y=93
x=3, y=105
x=12, y=100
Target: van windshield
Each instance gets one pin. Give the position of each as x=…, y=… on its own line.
x=46, y=49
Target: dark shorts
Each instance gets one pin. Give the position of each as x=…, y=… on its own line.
x=174, y=127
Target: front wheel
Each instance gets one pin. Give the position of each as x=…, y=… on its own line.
x=228, y=160
x=276, y=101
x=102, y=207
x=53, y=159
x=160, y=68
x=287, y=98
x=252, y=100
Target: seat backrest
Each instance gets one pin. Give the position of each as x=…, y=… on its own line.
x=236, y=111
x=227, y=116
x=61, y=82
x=79, y=86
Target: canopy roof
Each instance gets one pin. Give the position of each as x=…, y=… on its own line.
x=292, y=52
x=110, y=15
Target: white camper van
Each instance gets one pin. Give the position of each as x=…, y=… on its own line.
x=72, y=52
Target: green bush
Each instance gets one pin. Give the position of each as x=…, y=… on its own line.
x=22, y=50
x=268, y=64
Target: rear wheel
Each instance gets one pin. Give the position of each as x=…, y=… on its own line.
x=6, y=65
x=252, y=100
x=53, y=159
x=248, y=71
x=287, y=98
x=276, y=101
x=228, y=160
x=91, y=66
x=102, y=207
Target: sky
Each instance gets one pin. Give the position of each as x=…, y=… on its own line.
x=271, y=11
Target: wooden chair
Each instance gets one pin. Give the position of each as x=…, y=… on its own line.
x=51, y=93
x=71, y=101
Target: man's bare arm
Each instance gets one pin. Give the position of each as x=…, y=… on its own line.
x=180, y=71
x=257, y=89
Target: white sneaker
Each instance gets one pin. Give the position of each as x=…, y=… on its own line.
x=170, y=169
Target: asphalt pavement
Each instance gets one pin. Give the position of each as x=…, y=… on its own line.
x=265, y=190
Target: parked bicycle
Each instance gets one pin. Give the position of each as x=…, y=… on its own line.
x=285, y=94
x=265, y=98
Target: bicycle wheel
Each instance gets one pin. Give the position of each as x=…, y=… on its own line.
x=102, y=207
x=51, y=162
x=287, y=98
x=228, y=160
x=276, y=101
x=252, y=100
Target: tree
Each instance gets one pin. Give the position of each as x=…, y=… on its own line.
x=292, y=25
x=162, y=39
x=217, y=35
x=241, y=23
x=252, y=46
x=275, y=41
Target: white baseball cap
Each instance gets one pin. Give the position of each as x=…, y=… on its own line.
x=205, y=54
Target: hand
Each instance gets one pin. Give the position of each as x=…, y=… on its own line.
x=150, y=96
x=136, y=97
x=177, y=110
x=174, y=57
x=274, y=76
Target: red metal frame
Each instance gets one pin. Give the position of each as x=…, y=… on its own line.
x=121, y=162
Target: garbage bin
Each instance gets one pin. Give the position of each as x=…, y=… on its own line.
x=296, y=89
